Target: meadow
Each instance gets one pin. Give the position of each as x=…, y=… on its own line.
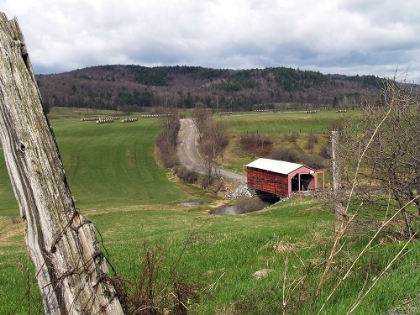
x=278, y=127
x=137, y=206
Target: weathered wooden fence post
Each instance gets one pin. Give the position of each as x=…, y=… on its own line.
x=340, y=215
x=71, y=271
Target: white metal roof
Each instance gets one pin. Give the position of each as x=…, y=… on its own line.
x=276, y=166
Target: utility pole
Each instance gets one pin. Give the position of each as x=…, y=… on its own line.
x=71, y=271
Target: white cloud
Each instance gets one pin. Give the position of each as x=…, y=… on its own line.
x=332, y=36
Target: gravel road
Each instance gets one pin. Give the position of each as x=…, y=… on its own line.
x=188, y=151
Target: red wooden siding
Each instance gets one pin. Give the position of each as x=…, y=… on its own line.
x=267, y=181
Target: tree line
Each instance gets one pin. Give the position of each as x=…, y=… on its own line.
x=137, y=88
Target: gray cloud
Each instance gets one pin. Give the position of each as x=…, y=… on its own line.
x=348, y=37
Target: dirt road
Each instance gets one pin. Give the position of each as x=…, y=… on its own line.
x=188, y=151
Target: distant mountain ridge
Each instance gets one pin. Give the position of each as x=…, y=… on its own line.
x=137, y=88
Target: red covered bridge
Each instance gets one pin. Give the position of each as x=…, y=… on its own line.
x=280, y=178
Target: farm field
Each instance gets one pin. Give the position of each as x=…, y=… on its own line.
x=279, y=123
x=278, y=127
x=107, y=165
x=117, y=183
x=113, y=165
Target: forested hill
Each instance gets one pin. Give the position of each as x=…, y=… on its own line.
x=136, y=88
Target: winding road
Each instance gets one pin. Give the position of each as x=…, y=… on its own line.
x=188, y=151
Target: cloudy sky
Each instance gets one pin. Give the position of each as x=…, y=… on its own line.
x=331, y=36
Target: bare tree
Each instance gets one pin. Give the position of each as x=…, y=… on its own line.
x=213, y=139
x=390, y=170
x=166, y=115
x=166, y=141
x=213, y=143
x=72, y=272
x=201, y=116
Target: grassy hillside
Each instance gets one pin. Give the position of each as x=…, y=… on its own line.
x=107, y=165
x=279, y=127
x=112, y=165
x=276, y=124
x=117, y=183
x=289, y=240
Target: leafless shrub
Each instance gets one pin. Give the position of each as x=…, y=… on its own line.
x=189, y=176
x=312, y=140
x=207, y=181
x=313, y=160
x=256, y=144
x=213, y=143
x=325, y=151
x=201, y=116
x=213, y=137
x=166, y=142
x=338, y=125
x=217, y=185
x=285, y=154
x=385, y=138
x=376, y=163
x=291, y=137
x=148, y=294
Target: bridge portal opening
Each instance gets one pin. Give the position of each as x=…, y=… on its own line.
x=302, y=182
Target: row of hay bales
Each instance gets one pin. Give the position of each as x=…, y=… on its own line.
x=307, y=112
x=90, y=119
x=156, y=115
x=338, y=111
x=129, y=120
x=106, y=120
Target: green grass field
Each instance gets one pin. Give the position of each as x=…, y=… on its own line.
x=278, y=126
x=116, y=181
x=107, y=165
x=279, y=123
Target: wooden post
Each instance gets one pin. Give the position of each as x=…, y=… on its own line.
x=338, y=206
x=71, y=271
x=299, y=183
